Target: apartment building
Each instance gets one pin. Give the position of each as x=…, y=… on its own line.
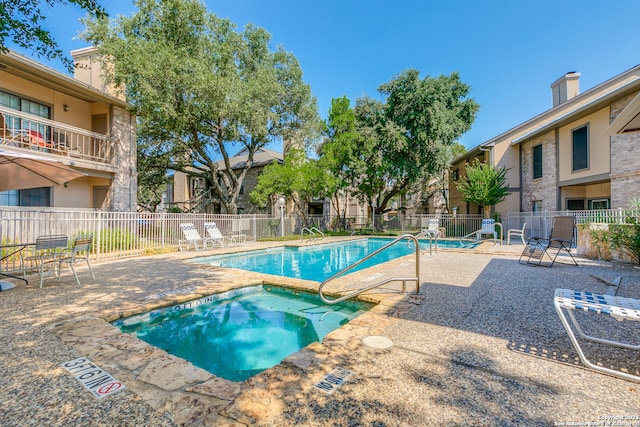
x=582, y=153
x=79, y=121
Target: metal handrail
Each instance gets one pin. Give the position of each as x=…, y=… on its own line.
x=375, y=285
x=477, y=231
x=319, y=231
x=310, y=232
x=430, y=235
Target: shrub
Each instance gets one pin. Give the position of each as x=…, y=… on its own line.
x=626, y=238
x=116, y=238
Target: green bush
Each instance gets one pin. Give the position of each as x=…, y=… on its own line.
x=116, y=238
x=626, y=238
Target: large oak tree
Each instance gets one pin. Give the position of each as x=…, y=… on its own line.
x=384, y=148
x=203, y=90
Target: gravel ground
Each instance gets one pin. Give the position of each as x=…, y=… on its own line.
x=480, y=345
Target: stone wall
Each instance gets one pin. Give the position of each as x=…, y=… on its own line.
x=250, y=182
x=590, y=244
x=545, y=187
x=625, y=163
x=124, y=188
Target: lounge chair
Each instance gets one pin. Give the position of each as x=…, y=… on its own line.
x=488, y=227
x=617, y=307
x=433, y=228
x=191, y=237
x=80, y=250
x=516, y=232
x=213, y=235
x=560, y=239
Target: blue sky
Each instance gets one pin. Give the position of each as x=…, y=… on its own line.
x=509, y=52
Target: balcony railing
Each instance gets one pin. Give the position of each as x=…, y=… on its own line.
x=35, y=133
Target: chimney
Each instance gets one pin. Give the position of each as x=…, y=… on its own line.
x=565, y=88
x=89, y=70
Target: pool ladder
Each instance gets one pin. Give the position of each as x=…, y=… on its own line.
x=404, y=280
x=432, y=238
x=311, y=233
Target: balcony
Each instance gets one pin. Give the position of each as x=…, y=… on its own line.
x=26, y=131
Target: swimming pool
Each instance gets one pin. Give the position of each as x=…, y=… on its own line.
x=318, y=262
x=238, y=334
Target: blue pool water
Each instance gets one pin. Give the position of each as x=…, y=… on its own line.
x=240, y=333
x=318, y=262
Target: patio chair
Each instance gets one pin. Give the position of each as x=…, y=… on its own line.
x=433, y=228
x=213, y=235
x=43, y=254
x=560, y=240
x=12, y=137
x=617, y=307
x=516, y=232
x=488, y=227
x=80, y=250
x=191, y=237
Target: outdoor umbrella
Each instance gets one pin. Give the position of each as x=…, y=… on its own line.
x=20, y=170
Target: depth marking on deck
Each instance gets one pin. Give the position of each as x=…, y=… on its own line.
x=333, y=380
x=96, y=380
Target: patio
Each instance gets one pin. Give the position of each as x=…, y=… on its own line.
x=480, y=345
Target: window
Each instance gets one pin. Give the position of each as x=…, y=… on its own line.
x=575, y=205
x=20, y=104
x=31, y=197
x=537, y=161
x=599, y=204
x=580, y=153
x=536, y=206
x=455, y=174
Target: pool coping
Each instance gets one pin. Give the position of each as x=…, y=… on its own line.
x=191, y=394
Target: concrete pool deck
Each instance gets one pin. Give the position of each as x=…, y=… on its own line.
x=480, y=345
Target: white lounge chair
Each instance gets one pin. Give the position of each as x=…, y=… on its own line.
x=433, y=228
x=617, y=307
x=213, y=235
x=516, y=232
x=191, y=237
x=488, y=227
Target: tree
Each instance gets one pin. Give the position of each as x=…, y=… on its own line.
x=399, y=143
x=21, y=22
x=201, y=88
x=484, y=185
x=437, y=185
x=336, y=154
x=152, y=177
x=299, y=179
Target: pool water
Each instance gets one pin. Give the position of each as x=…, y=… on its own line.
x=319, y=262
x=240, y=333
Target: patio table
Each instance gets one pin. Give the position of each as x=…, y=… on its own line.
x=13, y=249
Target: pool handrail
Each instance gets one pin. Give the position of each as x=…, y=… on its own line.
x=467, y=237
x=310, y=232
x=431, y=236
x=318, y=230
x=375, y=285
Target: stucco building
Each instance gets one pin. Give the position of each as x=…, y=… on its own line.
x=78, y=121
x=577, y=155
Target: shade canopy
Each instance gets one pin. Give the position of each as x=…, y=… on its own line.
x=20, y=170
